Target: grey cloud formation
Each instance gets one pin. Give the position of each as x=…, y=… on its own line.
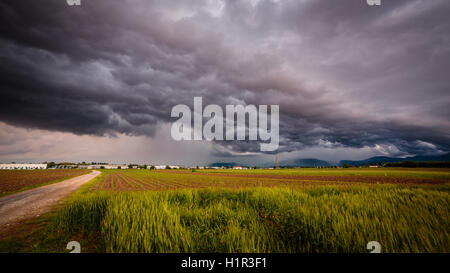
x=344, y=74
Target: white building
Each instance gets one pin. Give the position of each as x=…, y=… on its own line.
x=108, y=166
x=162, y=167
x=115, y=166
x=23, y=166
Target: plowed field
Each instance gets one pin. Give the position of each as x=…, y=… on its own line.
x=15, y=180
x=138, y=180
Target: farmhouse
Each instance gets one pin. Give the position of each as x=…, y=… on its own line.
x=23, y=166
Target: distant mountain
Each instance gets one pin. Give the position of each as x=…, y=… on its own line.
x=223, y=164
x=384, y=159
x=313, y=162
x=444, y=157
x=304, y=162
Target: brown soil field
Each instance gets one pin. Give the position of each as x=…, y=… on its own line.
x=170, y=180
x=15, y=180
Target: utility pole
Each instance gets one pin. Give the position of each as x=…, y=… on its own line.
x=276, y=162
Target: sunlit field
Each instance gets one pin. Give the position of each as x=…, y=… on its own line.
x=285, y=211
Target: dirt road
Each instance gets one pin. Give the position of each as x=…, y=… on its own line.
x=35, y=202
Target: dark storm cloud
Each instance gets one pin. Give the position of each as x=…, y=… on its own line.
x=343, y=73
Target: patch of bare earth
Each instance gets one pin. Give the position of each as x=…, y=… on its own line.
x=14, y=180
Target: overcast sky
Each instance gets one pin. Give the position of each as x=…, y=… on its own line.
x=97, y=82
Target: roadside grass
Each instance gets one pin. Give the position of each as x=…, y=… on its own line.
x=39, y=237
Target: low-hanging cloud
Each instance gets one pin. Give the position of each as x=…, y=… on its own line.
x=344, y=74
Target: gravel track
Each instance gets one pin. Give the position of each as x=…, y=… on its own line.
x=32, y=203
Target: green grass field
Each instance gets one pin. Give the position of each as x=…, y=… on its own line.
x=205, y=211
